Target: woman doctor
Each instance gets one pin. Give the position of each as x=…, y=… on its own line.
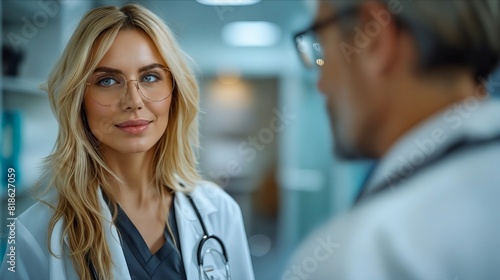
x=123, y=197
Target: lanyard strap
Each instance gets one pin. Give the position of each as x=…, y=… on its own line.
x=459, y=145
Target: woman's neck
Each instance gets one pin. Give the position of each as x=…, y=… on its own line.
x=136, y=173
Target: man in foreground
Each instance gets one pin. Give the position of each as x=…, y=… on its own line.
x=405, y=83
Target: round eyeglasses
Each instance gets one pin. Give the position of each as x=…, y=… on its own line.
x=108, y=87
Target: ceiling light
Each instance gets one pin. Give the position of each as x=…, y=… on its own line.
x=228, y=2
x=251, y=34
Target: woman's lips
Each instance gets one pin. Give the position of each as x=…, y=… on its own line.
x=134, y=126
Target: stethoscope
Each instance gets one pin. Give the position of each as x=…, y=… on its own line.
x=200, y=255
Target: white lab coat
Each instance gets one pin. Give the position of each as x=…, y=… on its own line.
x=221, y=214
x=441, y=223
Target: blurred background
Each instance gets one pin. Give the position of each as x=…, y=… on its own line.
x=266, y=138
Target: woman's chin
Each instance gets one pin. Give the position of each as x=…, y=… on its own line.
x=128, y=149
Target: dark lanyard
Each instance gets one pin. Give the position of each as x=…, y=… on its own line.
x=459, y=145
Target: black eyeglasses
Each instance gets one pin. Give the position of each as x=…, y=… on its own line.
x=308, y=47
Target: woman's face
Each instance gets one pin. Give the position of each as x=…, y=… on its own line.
x=130, y=123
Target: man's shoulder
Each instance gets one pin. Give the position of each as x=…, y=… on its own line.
x=401, y=232
x=453, y=199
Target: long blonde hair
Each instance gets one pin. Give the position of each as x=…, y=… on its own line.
x=76, y=168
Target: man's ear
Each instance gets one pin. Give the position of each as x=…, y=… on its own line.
x=378, y=25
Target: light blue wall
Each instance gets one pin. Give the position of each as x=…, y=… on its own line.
x=304, y=160
x=494, y=84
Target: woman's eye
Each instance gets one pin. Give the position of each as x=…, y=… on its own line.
x=150, y=78
x=107, y=82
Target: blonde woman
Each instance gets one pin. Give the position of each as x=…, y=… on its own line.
x=124, y=199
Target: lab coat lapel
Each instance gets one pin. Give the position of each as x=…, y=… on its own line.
x=119, y=266
x=190, y=230
x=190, y=234
x=57, y=266
x=421, y=147
x=60, y=264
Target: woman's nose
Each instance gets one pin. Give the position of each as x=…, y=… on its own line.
x=132, y=98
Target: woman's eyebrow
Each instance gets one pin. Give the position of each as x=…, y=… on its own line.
x=151, y=66
x=142, y=69
x=107, y=70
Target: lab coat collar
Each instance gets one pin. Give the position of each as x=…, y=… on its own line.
x=119, y=265
x=184, y=207
x=471, y=120
x=187, y=223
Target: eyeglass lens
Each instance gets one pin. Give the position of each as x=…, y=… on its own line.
x=109, y=88
x=309, y=50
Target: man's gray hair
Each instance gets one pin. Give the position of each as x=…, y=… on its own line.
x=458, y=32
